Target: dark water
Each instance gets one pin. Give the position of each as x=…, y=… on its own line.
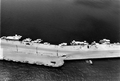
x=58, y=21
x=77, y=70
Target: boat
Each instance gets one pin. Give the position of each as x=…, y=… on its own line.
x=35, y=52
x=16, y=37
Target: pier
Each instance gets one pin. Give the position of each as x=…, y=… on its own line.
x=54, y=55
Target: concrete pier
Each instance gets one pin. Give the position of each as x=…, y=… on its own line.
x=33, y=58
x=51, y=55
x=29, y=54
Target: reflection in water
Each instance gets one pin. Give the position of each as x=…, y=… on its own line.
x=77, y=70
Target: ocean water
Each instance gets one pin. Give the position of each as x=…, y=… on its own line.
x=75, y=70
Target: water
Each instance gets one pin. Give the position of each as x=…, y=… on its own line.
x=77, y=70
x=57, y=21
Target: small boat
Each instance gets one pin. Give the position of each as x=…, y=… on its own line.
x=16, y=37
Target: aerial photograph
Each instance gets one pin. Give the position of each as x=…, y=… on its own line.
x=60, y=40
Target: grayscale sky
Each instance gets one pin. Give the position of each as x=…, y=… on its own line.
x=58, y=21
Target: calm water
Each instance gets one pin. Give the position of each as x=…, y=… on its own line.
x=57, y=21
x=77, y=70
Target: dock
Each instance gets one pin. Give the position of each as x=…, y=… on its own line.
x=52, y=55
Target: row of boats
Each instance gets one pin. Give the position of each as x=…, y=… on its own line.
x=28, y=41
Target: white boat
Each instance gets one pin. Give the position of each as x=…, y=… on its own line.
x=16, y=37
